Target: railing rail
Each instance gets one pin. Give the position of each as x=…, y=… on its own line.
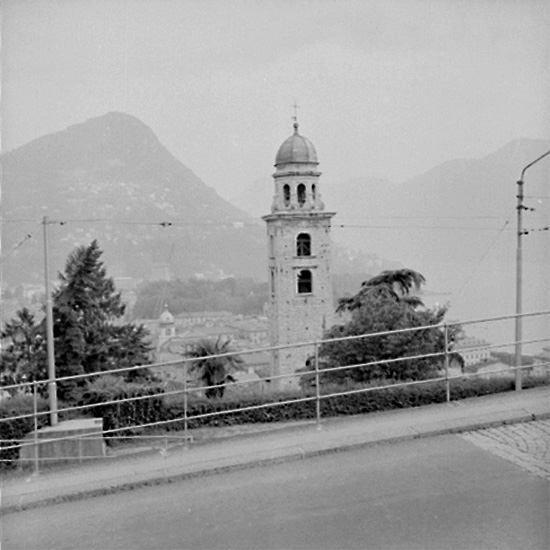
x=316, y=373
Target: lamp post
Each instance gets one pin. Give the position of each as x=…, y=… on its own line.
x=519, y=274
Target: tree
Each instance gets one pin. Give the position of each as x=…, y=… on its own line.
x=88, y=335
x=214, y=372
x=393, y=285
x=384, y=303
x=24, y=356
x=86, y=308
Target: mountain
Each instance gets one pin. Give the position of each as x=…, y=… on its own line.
x=111, y=179
x=451, y=213
x=456, y=224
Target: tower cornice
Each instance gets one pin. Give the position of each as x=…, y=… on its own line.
x=298, y=215
x=289, y=173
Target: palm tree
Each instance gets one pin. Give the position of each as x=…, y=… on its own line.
x=213, y=362
x=395, y=285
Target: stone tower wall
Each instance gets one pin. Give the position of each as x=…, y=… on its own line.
x=294, y=317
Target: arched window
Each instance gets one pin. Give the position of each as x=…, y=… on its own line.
x=303, y=244
x=305, y=282
x=313, y=191
x=301, y=194
x=271, y=246
x=272, y=285
x=286, y=194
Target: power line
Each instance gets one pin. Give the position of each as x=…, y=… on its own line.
x=423, y=217
x=254, y=222
x=482, y=259
x=23, y=241
x=408, y=227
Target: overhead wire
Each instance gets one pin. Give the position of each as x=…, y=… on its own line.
x=482, y=258
x=18, y=245
x=247, y=222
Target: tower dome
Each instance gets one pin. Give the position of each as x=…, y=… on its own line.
x=166, y=318
x=296, y=149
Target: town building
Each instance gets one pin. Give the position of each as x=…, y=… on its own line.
x=473, y=350
x=300, y=306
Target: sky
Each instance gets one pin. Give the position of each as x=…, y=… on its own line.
x=385, y=89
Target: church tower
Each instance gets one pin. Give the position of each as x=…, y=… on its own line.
x=298, y=235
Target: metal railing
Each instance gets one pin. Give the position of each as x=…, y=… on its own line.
x=187, y=391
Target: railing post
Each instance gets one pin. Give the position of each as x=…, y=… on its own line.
x=447, y=383
x=317, y=388
x=35, y=419
x=185, y=404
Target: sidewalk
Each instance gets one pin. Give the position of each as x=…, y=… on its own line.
x=109, y=475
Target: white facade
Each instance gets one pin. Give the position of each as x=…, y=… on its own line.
x=298, y=235
x=473, y=350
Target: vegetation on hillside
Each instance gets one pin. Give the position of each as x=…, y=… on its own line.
x=234, y=295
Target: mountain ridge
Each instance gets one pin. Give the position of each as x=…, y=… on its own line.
x=111, y=178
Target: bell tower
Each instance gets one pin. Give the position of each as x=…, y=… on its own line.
x=298, y=235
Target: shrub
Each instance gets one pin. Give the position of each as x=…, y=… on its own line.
x=14, y=431
x=373, y=400
x=283, y=406
x=107, y=394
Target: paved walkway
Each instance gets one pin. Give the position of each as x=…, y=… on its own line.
x=108, y=475
x=525, y=444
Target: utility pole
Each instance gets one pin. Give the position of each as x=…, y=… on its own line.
x=519, y=275
x=52, y=386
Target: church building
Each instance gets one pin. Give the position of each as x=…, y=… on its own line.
x=298, y=235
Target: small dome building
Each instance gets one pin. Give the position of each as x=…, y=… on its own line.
x=166, y=326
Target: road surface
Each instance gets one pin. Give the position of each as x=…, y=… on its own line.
x=441, y=492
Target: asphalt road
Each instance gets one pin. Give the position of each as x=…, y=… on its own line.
x=440, y=492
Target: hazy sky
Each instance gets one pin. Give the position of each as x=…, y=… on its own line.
x=385, y=88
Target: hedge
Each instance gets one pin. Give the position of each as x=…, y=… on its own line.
x=123, y=414
x=390, y=398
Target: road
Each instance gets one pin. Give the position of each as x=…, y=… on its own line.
x=441, y=492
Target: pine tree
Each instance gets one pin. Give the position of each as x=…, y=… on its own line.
x=86, y=307
x=88, y=335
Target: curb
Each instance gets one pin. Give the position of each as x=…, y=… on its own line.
x=258, y=463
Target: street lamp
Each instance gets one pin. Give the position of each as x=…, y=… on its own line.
x=519, y=273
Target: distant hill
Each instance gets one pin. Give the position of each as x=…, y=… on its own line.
x=456, y=224
x=110, y=178
x=451, y=213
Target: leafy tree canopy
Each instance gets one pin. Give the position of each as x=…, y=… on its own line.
x=384, y=303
